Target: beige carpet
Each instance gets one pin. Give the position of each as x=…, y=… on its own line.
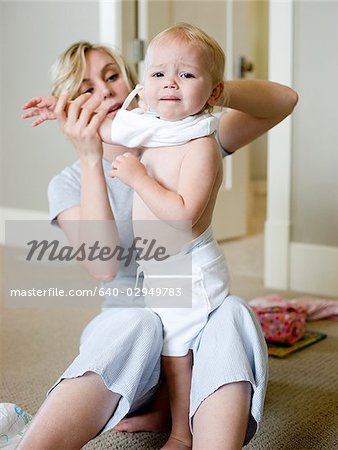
x=301, y=410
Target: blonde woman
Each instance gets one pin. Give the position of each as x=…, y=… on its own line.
x=117, y=369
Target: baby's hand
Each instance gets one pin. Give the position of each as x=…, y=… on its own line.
x=128, y=169
x=43, y=107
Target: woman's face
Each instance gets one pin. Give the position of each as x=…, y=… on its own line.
x=104, y=80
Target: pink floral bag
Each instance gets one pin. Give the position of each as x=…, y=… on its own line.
x=282, y=324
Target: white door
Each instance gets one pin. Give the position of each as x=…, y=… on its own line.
x=224, y=20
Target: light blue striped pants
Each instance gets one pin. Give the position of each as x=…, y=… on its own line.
x=124, y=346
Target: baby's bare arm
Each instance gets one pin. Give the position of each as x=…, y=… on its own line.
x=44, y=108
x=105, y=131
x=199, y=172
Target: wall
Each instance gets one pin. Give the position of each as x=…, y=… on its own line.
x=33, y=34
x=1, y=102
x=301, y=232
x=209, y=15
x=314, y=202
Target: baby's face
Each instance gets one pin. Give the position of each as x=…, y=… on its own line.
x=177, y=81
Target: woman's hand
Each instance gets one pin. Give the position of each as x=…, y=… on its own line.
x=128, y=169
x=80, y=122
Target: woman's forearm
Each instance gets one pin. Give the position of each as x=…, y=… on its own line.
x=97, y=226
x=260, y=98
x=94, y=195
x=256, y=106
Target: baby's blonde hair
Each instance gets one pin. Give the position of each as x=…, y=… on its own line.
x=191, y=33
x=68, y=71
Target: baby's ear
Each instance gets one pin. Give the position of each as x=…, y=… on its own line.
x=216, y=95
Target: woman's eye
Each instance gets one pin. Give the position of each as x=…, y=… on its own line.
x=187, y=75
x=113, y=77
x=88, y=91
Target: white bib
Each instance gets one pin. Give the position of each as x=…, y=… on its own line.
x=137, y=128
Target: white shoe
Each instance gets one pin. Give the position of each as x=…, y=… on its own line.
x=14, y=422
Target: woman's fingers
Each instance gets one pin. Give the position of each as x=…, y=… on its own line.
x=75, y=107
x=81, y=110
x=78, y=118
x=100, y=126
x=90, y=119
x=60, y=108
x=87, y=111
x=96, y=120
x=68, y=112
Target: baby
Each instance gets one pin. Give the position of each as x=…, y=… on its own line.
x=178, y=179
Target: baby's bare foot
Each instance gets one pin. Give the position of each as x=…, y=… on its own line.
x=155, y=421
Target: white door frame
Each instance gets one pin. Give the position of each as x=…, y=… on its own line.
x=110, y=17
x=277, y=225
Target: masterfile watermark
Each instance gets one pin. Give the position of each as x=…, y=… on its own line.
x=54, y=250
x=45, y=265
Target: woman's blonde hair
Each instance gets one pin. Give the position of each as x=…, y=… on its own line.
x=191, y=33
x=68, y=71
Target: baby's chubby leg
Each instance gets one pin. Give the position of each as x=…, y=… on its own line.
x=177, y=371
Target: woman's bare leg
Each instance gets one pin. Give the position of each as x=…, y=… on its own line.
x=222, y=419
x=73, y=413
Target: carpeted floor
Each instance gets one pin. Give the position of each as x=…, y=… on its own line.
x=301, y=411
